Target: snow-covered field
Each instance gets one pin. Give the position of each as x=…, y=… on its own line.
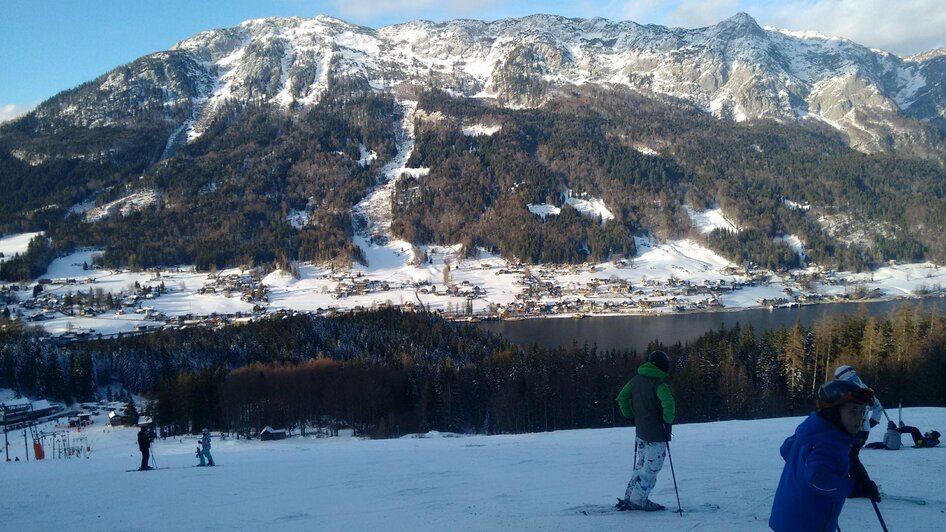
x=10, y=245
x=726, y=472
x=708, y=220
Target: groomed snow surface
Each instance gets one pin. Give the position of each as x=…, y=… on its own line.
x=11, y=245
x=706, y=221
x=586, y=205
x=726, y=472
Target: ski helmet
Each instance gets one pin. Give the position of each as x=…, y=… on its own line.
x=836, y=393
x=844, y=372
x=660, y=359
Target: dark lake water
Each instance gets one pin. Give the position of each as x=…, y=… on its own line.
x=634, y=332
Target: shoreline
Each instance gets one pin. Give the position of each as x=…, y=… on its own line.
x=715, y=310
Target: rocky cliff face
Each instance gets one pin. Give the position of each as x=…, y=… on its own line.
x=735, y=69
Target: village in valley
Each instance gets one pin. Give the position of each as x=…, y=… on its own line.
x=78, y=298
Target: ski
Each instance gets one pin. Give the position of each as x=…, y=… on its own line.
x=602, y=509
x=142, y=470
x=901, y=498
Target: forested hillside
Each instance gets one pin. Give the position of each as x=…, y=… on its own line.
x=589, y=142
x=389, y=372
x=225, y=199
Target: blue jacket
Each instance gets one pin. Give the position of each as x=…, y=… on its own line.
x=816, y=478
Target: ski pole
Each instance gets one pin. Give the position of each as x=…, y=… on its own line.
x=886, y=415
x=674, y=475
x=879, y=517
x=635, y=453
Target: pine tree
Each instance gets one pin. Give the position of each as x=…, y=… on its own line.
x=131, y=412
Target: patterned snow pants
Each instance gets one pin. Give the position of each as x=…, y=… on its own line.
x=650, y=460
x=205, y=453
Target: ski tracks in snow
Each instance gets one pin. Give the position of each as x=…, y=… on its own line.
x=372, y=216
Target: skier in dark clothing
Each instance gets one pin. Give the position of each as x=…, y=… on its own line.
x=892, y=437
x=821, y=470
x=646, y=399
x=927, y=439
x=144, y=445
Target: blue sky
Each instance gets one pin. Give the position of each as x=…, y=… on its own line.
x=47, y=46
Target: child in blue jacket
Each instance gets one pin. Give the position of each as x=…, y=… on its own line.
x=820, y=470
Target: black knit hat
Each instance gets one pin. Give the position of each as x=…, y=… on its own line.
x=661, y=360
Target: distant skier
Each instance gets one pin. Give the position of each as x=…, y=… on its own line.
x=647, y=401
x=144, y=445
x=820, y=468
x=204, y=451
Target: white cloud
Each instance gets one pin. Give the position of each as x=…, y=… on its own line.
x=700, y=13
x=903, y=27
x=414, y=9
x=12, y=110
x=643, y=11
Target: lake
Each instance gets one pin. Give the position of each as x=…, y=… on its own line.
x=635, y=332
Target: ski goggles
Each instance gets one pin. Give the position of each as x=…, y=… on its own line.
x=861, y=395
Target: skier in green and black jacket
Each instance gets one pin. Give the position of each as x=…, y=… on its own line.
x=646, y=400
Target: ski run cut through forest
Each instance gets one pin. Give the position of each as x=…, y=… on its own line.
x=726, y=473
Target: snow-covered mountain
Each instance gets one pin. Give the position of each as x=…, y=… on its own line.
x=734, y=69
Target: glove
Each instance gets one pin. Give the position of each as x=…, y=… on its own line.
x=668, y=430
x=891, y=425
x=873, y=423
x=865, y=490
x=859, y=442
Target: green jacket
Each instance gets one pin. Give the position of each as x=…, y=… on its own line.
x=647, y=401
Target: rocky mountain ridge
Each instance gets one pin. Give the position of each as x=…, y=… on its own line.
x=734, y=69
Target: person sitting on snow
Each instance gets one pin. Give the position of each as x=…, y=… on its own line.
x=204, y=451
x=927, y=439
x=892, y=437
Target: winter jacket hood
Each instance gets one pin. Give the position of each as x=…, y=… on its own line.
x=648, y=369
x=646, y=400
x=816, y=478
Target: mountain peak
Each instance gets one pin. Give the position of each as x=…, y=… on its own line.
x=738, y=26
x=927, y=55
x=741, y=19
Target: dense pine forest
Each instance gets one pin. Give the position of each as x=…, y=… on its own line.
x=386, y=373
